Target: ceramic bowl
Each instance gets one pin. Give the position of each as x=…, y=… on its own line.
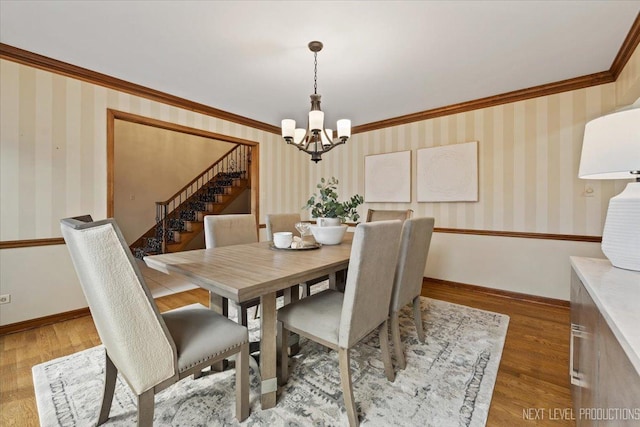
x=329, y=235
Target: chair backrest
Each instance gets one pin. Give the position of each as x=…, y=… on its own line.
x=412, y=259
x=227, y=230
x=374, y=253
x=126, y=316
x=282, y=222
x=380, y=215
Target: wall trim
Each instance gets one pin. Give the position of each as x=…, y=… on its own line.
x=521, y=234
x=626, y=50
x=629, y=45
x=43, y=321
x=113, y=115
x=31, y=59
x=533, y=299
x=491, y=101
x=12, y=244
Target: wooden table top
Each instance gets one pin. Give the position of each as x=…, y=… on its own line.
x=243, y=272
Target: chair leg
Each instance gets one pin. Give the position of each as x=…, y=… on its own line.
x=383, y=333
x=397, y=341
x=110, y=374
x=145, y=409
x=417, y=317
x=242, y=383
x=347, y=390
x=282, y=358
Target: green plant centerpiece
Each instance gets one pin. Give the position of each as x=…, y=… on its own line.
x=325, y=204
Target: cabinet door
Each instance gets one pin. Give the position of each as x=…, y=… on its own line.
x=618, y=382
x=584, y=351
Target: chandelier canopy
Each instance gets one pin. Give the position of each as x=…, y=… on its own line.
x=315, y=139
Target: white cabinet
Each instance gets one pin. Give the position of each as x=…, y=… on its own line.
x=605, y=344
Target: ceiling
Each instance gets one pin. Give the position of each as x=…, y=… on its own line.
x=380, y=60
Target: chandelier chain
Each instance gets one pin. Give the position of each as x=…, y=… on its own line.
x=315, y=73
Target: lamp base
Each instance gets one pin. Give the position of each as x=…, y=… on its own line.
x=621, y=234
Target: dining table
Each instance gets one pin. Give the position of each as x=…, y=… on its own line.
x=243, y=272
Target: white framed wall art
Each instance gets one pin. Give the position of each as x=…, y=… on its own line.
x=387, y=177
x=448, y=173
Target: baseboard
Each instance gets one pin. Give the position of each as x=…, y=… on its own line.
x=43, y=321
x=535, y=299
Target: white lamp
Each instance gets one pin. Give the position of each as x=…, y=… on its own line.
x=611, y=150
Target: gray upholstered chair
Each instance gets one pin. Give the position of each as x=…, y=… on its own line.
x=150, y=350
x=339, y=321
x=227, y=230
x=407, y=287
x=281, y=222
x=381, y=215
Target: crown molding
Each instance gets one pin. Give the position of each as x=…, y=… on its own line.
x=629, y=45
x=24, y=57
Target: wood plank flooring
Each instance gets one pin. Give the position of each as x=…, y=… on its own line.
x=532, y=379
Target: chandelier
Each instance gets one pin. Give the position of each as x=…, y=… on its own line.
x=315, y=139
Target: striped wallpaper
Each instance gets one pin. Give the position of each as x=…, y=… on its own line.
x=528, y=158
x=53, y=151
x=53, y=156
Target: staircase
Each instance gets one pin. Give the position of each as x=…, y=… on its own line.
x=181, y=218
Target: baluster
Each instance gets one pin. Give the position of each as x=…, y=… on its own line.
x=164, y=229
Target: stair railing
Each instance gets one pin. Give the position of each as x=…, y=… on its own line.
x=234, y=163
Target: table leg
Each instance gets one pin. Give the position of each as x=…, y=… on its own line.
x=269, y=385
x=219, y=305
x=292, y=294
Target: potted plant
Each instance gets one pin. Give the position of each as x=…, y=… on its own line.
x=324, y=205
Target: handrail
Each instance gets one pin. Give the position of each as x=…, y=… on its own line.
x=204, y=172
x=234, y=164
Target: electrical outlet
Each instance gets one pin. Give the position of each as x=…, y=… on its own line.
x=5, y=299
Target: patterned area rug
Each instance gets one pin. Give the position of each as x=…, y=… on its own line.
x=448, y=382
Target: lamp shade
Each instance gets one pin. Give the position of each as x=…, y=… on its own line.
x=611, y=150
x=611, y=146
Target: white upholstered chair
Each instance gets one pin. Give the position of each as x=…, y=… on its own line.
x=387, y=215
x=151, y=350
x=412, y=259
x=227, y=230
x=341, y=320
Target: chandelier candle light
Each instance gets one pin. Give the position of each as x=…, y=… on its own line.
x=315, y=139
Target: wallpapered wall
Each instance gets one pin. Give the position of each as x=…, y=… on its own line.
x=528, y=158
x=53, y=150
x=53, y=164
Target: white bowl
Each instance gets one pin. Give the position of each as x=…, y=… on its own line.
x=282, y=239
x=329, y=235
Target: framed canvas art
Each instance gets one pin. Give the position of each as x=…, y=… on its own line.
x=448, y=173
x=387, y=177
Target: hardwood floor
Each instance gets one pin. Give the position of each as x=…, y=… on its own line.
x=532, y=381
x=533, y=386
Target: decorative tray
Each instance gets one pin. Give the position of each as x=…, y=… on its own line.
x=304, y=248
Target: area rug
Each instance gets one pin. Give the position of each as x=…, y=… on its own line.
x=448, y=381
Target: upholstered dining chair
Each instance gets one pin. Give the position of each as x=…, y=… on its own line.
x=386, y=215
x=341, y=320
x=227, y=230
x=150, y=350
x=407, y=285
x=281, y=222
